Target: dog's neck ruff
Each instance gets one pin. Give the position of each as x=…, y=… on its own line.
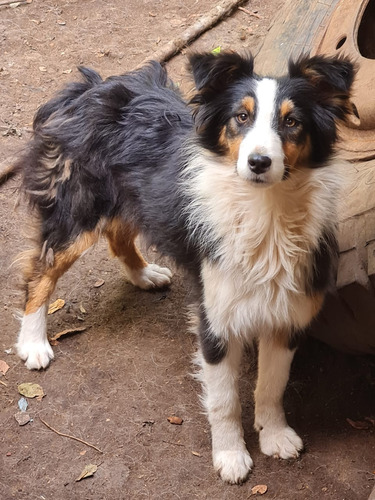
x=262, y=238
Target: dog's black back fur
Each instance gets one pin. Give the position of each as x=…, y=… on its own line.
x=88, y=139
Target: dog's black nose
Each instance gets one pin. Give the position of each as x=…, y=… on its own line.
x=259, y=163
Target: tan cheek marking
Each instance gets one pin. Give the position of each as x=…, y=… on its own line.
x=296, y=154
x=223, y=141
x=234, y=147
x=286, y=107
x=231, y=145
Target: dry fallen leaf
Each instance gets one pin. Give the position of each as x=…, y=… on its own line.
x=4, y=367
x=82, y=309
x=259, y=488
x=66, y=332
x=175, y=420
x=56, y=306
x=196, y=454
x=99, y=283
x=22, y=418
x=88, y=471
x=359, y=425
x=30, y=390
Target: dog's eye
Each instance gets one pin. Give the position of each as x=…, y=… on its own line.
x=290, y=122
x=242, y=118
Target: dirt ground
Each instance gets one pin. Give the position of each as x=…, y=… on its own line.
x=114, y=384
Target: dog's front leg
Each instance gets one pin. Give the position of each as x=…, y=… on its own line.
x=220, y=371
x=276, y=437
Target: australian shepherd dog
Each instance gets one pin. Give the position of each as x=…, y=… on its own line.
x=238, y=186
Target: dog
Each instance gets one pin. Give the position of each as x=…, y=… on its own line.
x=238, y=186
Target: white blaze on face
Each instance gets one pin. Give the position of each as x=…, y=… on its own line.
x=262, y=138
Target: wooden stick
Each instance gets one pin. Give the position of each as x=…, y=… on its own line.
x=3, y=3
x=69, y=436
x=170, y=442
x=250, y=13
x=207, y=21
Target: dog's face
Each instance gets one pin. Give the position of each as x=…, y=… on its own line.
x=269, y=127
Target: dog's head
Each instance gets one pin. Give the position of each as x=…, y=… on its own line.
x=269, y=126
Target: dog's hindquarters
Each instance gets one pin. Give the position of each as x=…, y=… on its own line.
x=79, y=177
x=45, y=267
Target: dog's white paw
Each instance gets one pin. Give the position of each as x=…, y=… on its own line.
x=151, y=276
x=279, y=442
x=32, y=345
x=36, y=355
x=233, y=465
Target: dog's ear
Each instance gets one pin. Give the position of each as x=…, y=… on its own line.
x=213, y=72
x=332, y=78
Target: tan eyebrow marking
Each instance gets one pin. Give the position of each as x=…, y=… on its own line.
x=249, y=104
x=286, y=107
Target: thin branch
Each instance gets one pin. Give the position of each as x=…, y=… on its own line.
x=170, y=442
x=250, y=13
x=207, y=21
x=69, y=436
x=3, y=3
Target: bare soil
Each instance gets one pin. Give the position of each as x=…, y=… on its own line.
x=114, y=384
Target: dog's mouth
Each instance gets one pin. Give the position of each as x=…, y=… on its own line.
x=260, y=180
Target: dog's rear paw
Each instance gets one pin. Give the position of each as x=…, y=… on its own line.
x=233, y=466
x=280, y=442
x=37, y=355
x=151, y=276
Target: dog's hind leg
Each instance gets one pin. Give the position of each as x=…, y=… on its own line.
x=121, y=238
x=276, y=437
x=41, y=277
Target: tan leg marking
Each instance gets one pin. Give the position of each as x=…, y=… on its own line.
x=121, y=238
x=41, y=277
x=121, y=242
x=41, y=287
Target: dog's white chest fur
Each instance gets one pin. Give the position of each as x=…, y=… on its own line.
x=255, y=283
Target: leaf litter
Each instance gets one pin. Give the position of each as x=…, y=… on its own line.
x=56, y=306
x=175, y=420
x=31, y=390
x=68, y=331
x=260, y=489
x=4, y=367
x=88, y=471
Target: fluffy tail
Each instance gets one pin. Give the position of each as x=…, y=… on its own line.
x=67, y=96
x=63, y=99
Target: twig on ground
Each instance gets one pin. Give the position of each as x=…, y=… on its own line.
x=250, y=13
x=3, y=383
x=4, y=3
x=207, y=21
x=170, y=442
x=69, y=436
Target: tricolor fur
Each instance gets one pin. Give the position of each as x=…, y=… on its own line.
x=238, y=187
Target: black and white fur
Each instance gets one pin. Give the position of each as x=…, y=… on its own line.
x=241, y=193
